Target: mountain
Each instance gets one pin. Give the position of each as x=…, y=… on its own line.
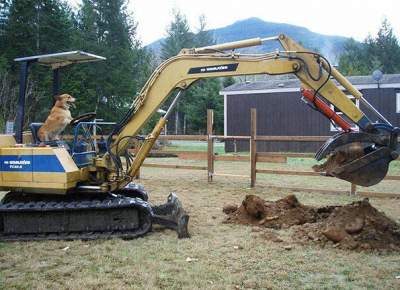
x=329, y=45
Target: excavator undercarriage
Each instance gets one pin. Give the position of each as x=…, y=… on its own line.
x=78, y=216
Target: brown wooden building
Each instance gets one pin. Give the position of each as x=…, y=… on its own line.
x=280, y=110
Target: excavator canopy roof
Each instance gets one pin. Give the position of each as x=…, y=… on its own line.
x=57, y=60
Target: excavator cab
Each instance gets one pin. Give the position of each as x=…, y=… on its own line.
x=82, y=148
x=55, y=61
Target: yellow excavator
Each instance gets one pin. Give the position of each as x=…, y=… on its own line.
x=87, y=191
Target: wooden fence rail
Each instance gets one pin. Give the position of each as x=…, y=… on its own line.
x=253, y=138
x=256, y=157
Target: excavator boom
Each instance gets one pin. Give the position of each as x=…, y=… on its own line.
x=318, y=82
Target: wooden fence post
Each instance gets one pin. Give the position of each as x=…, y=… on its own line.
x=353, y=189
x=253, y=147
x=210, y=145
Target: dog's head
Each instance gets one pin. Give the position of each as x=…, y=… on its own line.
x=65, y=101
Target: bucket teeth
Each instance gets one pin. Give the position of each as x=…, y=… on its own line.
x=367, y=170
x=358, y=157
x=345, y=138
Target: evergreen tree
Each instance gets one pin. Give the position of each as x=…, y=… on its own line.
x=380, y=52
x=204, y=94
x=203, y=37
x=354, y=59
x=106, y=28
x=178, y=36
x=32, y=27
x=385, y=47
x=37, y=27
x=191, y=110
x=228, y=81
x=4, y=11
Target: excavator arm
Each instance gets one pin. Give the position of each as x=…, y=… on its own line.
x=318, y=86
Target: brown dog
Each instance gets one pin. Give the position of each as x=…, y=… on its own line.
x=58, y=119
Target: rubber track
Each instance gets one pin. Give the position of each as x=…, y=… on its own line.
x=111, y=202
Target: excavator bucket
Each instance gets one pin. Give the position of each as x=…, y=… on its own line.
x=367, y=170
x=360, y=158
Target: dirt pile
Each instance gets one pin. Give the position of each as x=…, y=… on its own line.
x=354, y=226
x=282, y=213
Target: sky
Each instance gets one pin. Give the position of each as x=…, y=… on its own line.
x=351, y=18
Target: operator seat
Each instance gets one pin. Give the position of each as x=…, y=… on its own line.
x=34, y=129
x=36, y=141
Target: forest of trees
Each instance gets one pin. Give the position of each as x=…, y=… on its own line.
x=104, y=27
x=108, y=28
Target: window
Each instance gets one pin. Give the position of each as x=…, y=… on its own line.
x=354, y=127
x=398, y=102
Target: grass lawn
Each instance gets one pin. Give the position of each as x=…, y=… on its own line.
x=219, y=147
x=300, y=164
x=223, y=256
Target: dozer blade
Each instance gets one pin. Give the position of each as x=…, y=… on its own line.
x=172, y=215
x=360, y=158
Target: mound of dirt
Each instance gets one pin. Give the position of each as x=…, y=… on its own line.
x=354, y=226
x=282, y=213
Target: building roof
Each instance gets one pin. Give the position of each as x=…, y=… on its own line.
x=285, y=83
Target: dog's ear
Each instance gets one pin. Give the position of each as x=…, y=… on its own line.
x=57, y=98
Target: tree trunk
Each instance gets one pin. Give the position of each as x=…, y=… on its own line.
x=184, y=124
